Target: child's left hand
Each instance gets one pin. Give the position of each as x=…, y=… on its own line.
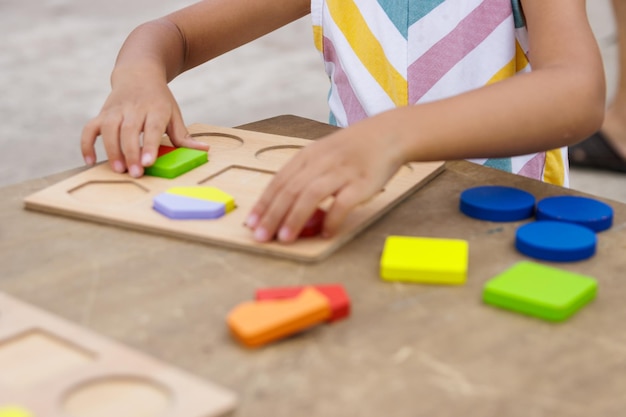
x=351, y=165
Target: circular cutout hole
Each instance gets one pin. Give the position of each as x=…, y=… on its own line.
x=108, y=192
x=219, y=141
x=278, y=155
x=118, y=396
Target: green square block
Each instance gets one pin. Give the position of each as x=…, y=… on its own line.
x=177, y=162
x=424, y=260
x=538, y=290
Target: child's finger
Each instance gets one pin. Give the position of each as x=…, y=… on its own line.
x=264, y=202
x=190, y=142
x=272, y=217
x=268, y=224
x=306, y=203
x=345, y=201
x=90, y=133
x=153, y=130
x=130, y=130
x=276, y=204
x=179, y=135
x=110, y=131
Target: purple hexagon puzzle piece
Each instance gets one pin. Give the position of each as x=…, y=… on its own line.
x=180, y=207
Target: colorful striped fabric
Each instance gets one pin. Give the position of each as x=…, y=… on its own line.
x=380, y=54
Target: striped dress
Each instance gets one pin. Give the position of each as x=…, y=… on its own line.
x=380, y=54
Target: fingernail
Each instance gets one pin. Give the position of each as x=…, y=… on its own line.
x=135, y=171
x=146, y=159
x=89, y=160
x=118, y=166
x=252, y=220
x=284, y=234
x=261, y=234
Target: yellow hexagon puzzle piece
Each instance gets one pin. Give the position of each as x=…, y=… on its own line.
x=424, y=260
x=205, y=193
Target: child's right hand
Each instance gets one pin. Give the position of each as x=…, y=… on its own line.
x=141, y=108
x=132, y=122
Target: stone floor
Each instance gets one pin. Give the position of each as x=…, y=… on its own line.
x=57, y=55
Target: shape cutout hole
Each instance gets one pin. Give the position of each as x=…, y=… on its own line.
x=218, y=141
x=119, y=396
x=244, y=184
x=108, y=192
x=278, y=155
x=35, y=356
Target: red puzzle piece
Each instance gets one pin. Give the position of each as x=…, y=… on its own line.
x=335, y=293
x=256, y=323
x=313, y=226
x=163, y=149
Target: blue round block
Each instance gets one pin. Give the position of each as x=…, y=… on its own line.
x=497, y=203
x=555, y=241
x=584, y=211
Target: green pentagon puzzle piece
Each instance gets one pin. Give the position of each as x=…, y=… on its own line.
x=177, y=162
x=538, y=290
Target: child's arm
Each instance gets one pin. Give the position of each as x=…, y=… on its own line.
x=155, y=53
x=559, y=103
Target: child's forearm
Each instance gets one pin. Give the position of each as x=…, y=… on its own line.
x=141, y=107
x=191, y=36
x=524, y=114
x=559, y=103
x=154, y=49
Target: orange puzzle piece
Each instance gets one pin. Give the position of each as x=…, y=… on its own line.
x=256, y=323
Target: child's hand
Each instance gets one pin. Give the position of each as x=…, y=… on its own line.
x=132, y=121
x=351, y=165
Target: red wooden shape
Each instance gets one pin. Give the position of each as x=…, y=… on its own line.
x=164, y=150
x=313, y=226
x=335, y=293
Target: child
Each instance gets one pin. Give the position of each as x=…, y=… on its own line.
x=416, y=80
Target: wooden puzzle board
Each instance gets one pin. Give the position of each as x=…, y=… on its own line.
x=241, y=163
x=53, y=368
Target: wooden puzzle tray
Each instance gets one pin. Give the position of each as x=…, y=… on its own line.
x=241, y=163
x=52, y=368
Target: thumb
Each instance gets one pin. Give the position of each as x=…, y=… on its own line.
x=180, y=137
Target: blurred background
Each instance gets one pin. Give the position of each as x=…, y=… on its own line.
x=56, y=57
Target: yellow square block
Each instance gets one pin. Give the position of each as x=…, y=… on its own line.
x=206, y=193
x=424, y=260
